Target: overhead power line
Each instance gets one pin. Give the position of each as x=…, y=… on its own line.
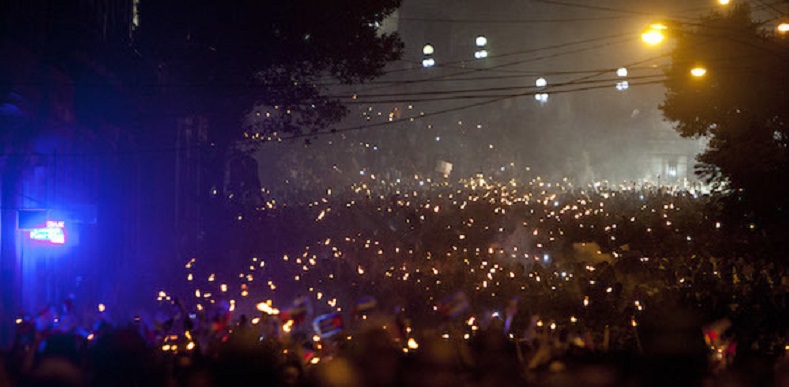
x=509, y=21
x=542, y=57
x=488, y=100
x=593, y=7
x=451, y=93
x=458, y=108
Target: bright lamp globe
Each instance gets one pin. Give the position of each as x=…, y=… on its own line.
x=652, y=37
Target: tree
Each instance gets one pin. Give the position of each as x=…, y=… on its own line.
x=741, y=106
x=221, y=59
x=252, y=70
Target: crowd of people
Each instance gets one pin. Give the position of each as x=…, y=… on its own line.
x=379, y=351
x=478, y=283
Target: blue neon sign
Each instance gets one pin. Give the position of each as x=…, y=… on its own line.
x=54, y=232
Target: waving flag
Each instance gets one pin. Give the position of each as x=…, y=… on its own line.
x=365, y=304
x=328, y=325
x=298, y=312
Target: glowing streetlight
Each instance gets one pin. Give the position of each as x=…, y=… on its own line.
x=724, y=2
x=654, y=34
x=427, y=60
x=652, y=37
x=542, y=98
x=481, y=52
x=698, y=71
x=783, y=27
x=622, y=85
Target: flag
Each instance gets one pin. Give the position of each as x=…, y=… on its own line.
x=364, y=304
x=298, y=312
x=328, y=325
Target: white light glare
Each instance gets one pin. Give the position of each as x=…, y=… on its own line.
x=541, y=97
x=621, y=72
x=622, y=86
x=428, y=49
x=481, y=41
x=481, y=54
x=541, y=82
x=428, y=62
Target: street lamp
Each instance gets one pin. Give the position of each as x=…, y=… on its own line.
x=698, y=71
x=783, y=27
x=481, y=52
x=622, y=85
x=654, y=34
x=724, y=2
x=541, y=83
x=427, y=60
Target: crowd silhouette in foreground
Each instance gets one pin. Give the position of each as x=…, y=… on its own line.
x=378, y=351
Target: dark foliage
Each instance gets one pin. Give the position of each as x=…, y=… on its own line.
x=742, y=106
